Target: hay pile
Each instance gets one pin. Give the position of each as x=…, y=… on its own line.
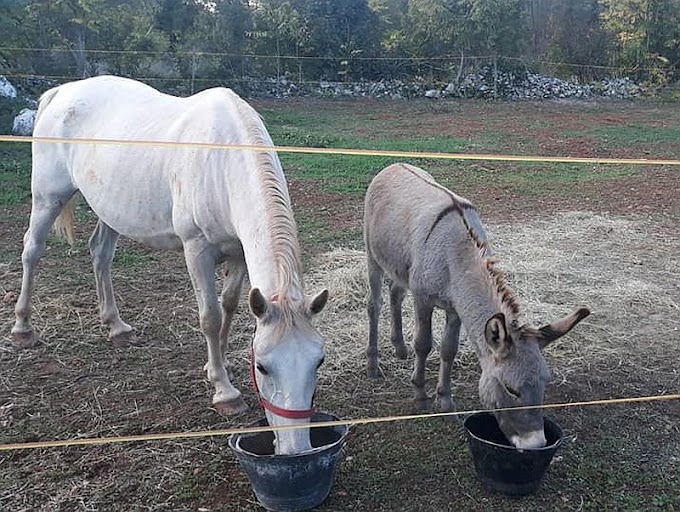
x=627, y=275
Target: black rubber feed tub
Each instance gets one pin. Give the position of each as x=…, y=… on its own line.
x=291, y=482
x=502, y=467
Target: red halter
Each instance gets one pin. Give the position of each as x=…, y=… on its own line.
x=295, y=414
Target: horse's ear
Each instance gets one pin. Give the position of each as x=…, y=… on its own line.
x=497, y=336
x=318, y=302
x=550, y=332
x=257, y=303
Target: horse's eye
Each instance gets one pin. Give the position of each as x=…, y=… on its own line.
x=512, y=392
x=261, y=369
x=320, y=363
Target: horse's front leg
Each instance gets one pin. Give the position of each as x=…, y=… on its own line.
x=102, y=248
x=231, y=291
x=448, y=352
x=423, y=345
x=201, y=259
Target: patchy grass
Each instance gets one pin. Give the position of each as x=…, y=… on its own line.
x=634, y=135
x=133, y=258
x=618, y=256
x=15, y=173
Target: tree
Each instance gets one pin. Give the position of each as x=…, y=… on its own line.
x=338, y=32
x=576, y=37
x=646, y=35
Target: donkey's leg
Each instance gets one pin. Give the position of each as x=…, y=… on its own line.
x=44, y=211
x=448, y=352
x=397, y=294
x=422, y=344
x=375, y=281
x=102, y=248
x=231, y=290
x=201, y=259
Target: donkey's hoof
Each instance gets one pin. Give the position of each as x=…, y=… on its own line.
x=451, y=419
x=24, y=339
x=401, y=351
x=125, y=340
x=231, y=407
x=374, y=372
x=421, y=405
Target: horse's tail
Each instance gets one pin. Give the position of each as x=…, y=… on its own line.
x=64, y=225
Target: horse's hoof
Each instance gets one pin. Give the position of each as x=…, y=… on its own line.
x=125, y=340
x=231, y=407
x=401, y=351
x=24, y=339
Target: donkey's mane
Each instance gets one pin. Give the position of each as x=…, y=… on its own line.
x=281, y=224
x=505, y=296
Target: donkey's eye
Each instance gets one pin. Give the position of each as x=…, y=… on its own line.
x=512, y=392
x=320, y=363
x=261, y=369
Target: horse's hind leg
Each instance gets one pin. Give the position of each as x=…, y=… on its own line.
x=397, y=294
x=102, y=248
x=375, y=281
x=44, y=211
x=201, y=261
x=449, y=348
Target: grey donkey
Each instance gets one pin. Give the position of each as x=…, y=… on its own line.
x=430, y=241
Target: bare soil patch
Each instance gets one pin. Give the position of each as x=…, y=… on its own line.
x=614, y=249
x=75, y=385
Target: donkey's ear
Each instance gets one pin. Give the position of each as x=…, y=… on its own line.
x=257, y=303
x=497, y=335
x=551, y=332
x=318, y=302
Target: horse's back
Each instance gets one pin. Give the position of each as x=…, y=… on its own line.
x=133, y=188
x=116, y=107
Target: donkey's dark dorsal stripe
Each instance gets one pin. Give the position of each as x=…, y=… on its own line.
x=449, y=209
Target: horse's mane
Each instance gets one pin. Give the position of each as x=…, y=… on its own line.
x=279, y=217
x=502, y=292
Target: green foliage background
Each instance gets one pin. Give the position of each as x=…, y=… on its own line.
x=201, y=42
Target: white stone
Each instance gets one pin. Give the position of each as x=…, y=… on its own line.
x=23, y=123
x=7, y=90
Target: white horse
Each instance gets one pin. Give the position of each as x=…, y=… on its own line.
x=217, y=205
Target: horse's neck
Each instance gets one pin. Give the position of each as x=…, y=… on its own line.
x=267, y=232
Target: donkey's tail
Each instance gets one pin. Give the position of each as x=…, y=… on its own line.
x=64, y=225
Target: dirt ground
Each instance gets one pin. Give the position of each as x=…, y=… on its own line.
x=613, y=247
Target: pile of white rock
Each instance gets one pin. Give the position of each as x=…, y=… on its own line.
x=23, y=122
x=7, y=90
x=482, y=84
